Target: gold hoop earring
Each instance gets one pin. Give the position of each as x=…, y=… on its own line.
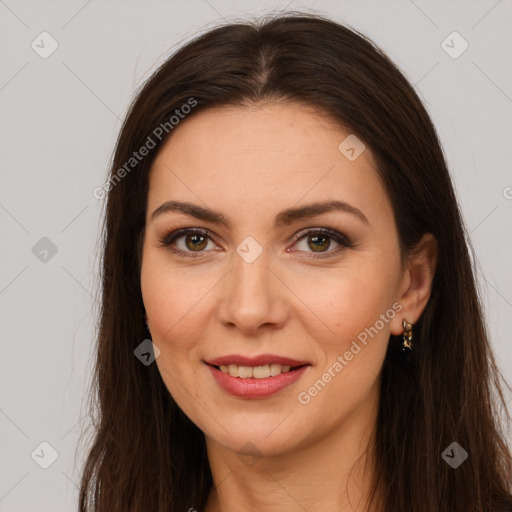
x=407, y=338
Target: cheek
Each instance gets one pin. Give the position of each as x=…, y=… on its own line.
x=173, y=300
x=173, y=307
x=176, y=300
x=345, y=303
x=358, y=313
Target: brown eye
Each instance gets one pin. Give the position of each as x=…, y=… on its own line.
x=324, y=242
x=187, y=242
x=318, y=243
x=190, y=242
x=196, y=241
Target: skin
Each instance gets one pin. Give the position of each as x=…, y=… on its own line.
x=250, y=163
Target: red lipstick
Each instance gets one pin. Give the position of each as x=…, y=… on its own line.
x=253, y=388
x=256, y=360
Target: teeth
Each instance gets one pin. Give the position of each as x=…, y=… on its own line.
x=244, y=372
x=256, y=372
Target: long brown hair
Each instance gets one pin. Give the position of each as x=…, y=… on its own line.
x=146, y=455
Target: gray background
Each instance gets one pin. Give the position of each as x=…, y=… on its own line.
x=59, y=120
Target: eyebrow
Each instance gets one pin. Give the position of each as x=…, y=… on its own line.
x=285, y=217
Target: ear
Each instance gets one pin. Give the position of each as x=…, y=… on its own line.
x=415, y=288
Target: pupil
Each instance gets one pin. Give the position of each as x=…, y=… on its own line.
x=315, y=240
x=196, y=244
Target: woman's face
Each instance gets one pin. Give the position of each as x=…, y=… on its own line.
x=260, y=286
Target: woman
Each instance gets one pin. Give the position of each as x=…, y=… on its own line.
x=282, y=226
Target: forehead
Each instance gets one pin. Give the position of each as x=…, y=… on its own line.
x=251, y=158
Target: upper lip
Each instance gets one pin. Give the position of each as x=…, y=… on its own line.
x=260, y=360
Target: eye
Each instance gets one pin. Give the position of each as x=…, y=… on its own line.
x=319, y=240
x=193, y=242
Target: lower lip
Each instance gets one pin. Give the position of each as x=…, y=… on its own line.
x=256, y=388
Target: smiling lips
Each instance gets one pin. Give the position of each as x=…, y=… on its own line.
x=255, y=377
x=260, y=367
x=256, y=372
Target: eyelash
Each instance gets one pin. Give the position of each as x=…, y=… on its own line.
x=168, y=240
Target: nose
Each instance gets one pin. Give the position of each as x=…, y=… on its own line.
x=253, y=296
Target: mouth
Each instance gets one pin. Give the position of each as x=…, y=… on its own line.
x=253, y=378
x=256, y=372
